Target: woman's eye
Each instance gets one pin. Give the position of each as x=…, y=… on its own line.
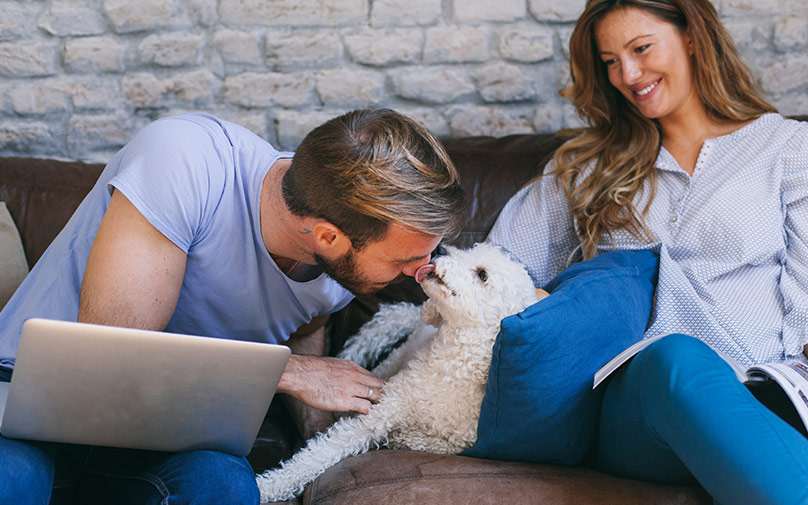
x=642, y=48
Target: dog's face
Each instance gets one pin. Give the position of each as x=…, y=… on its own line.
x=480, y=285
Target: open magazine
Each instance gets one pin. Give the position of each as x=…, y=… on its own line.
x=782, y=385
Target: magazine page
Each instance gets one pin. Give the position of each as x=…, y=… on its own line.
x=792, y=376
x=614, y=363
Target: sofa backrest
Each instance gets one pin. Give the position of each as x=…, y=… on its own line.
x=41, y=195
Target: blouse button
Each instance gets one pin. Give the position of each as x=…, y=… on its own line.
x=674, y=219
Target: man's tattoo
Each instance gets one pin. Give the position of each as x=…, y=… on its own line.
x=304, y=231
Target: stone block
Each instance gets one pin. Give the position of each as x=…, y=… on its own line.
x=292, y=126
x=502, y=82
x=171, y=49
x=25, y=58
x=12, y=22
x=456, y=44
x=570, y=117
x=785, y=74
x=127, y=16
x=293, y=12
x=793, y=103
x=30, y=137
x=762, y=8
x=548, y=118
x=385, y=47
x=486, y=11
x=256, y=122
x=556, y=11
x=526, y=44
x=467, y=120
x=202, y=12
x=432, y=85
x=252, y=89
x=93, y=54
x=195, y=86
x=430, y=117
x=143, y=89
x=87, y=133
x=749, y=36
x=40, y=97
x=350, y=88
x=411, y=13
x=238, y=46
x=94, y=94
x=303, y=50
x=70, y=18
x=790, y=33
x=564, y=36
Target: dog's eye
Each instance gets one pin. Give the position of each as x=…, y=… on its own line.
x=482, y=274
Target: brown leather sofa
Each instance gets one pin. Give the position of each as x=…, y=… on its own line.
x=41, y=194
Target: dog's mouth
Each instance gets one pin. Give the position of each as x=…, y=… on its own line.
x=433, y=276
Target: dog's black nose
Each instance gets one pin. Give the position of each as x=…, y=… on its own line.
x=439, y=251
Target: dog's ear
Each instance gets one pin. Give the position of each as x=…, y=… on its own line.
x=430, y=314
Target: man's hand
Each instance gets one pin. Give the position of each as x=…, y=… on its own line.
x=332, y=384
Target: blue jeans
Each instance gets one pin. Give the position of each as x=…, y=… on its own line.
x=60, y=474
x=676, y=412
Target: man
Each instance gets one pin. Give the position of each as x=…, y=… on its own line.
x=198, y=226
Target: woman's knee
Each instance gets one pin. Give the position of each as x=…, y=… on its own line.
x=673, y=372
x=676, y=353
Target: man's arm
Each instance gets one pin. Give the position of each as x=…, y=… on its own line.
x=326, y=383
x=134, y=273
x=133, y=279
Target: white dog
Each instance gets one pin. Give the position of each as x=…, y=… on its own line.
x=437, y=379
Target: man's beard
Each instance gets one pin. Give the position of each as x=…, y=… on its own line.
x=345, y=271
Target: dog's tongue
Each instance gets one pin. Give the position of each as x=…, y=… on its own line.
x=423, y=271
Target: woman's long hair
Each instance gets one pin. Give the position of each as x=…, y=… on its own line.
x=621, y=142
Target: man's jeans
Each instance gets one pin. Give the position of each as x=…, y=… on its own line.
x=41, y=473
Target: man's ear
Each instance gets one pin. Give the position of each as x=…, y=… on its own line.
x=329, y=239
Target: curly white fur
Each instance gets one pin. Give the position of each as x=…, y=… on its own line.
x=436, y=384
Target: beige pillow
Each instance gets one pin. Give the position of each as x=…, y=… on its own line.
x=13, y=266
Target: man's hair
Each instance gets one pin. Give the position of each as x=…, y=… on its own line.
x=367, y=169
x=622, y=142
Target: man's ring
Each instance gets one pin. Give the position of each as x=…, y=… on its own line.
x=370, y=392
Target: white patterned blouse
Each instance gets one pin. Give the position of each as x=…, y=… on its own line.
x=732, y=238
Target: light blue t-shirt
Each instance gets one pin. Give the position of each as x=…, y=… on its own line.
x=198, y=181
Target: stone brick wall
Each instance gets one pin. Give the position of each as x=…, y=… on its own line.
x=79, y=77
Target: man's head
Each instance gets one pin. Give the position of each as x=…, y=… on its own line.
x=386, y=183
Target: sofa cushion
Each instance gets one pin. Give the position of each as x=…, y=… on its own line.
x=539, y=404
x=13, y=266
x=398, y=477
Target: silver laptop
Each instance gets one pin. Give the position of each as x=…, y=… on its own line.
x=100, y=385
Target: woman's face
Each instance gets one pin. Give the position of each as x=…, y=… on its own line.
x=649, y=61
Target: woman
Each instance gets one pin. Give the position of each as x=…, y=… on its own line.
x=682, y=154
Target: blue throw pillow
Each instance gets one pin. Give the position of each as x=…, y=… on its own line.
x=539, y=404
